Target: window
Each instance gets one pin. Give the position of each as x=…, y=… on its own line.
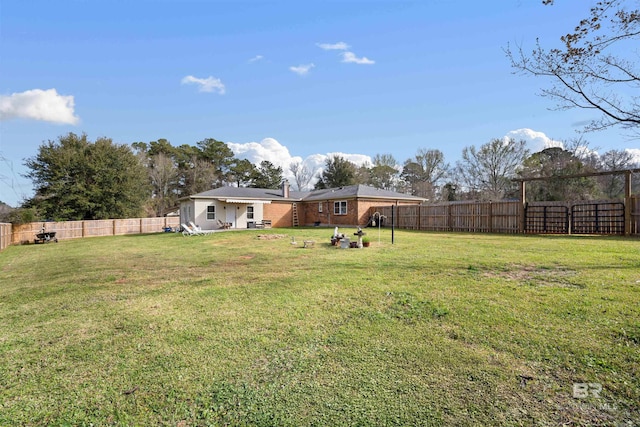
x=249, y=212
x=340, y=208
x=211, y=212
x=320, y=207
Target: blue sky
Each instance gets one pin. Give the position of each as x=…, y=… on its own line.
x=278, y=80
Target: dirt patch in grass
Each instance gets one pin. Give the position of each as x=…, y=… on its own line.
x=538, y=276
x=271, y=236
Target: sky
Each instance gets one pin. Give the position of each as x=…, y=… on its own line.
x=280, y=80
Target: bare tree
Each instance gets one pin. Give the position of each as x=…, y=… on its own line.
x=301, y=174
x=424, y=172
x=596, y=69
x=613, y=185
x=486, y=172
x=163, y=174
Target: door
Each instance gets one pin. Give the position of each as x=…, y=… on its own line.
x=231, y=216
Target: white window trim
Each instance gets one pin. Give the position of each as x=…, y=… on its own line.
x=338, y=204
x=214, y=213
x=319, y=207
x=252, y=213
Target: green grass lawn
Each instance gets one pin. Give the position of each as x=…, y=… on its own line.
x=230, y=329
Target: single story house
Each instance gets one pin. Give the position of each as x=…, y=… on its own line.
x=239, y=207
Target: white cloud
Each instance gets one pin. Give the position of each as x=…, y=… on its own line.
x=333, y=46
x=256, y=58
x=635, y=152
x=210, y=84
x=351, y=57
x=302, y=69
x=267, y=149
x=536, y=141
x=37, y=104
x=584, y=152
x=271, y=150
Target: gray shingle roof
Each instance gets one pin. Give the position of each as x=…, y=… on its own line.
x=359, y=191
x=347, y=192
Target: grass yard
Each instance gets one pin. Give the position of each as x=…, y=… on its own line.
x=229, y=329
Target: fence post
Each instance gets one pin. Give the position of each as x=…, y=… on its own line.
x=490, y=216
x=523, y=207
x=628, y=220
x=392, y=224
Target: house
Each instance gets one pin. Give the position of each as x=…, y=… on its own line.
x=255, y=207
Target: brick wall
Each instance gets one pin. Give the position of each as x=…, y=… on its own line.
x=358, y=211
x=280, y=214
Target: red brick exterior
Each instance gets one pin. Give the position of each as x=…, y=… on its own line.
x=280, y=214
x=358, y=211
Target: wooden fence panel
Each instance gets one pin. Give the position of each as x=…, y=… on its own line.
x=152, y=225
x=25, y=233
x=5, y=235
x=635, y=215
x=97, y=228
x=470, y=217
x=408, y=217
x=486, y=217
x=65, y=229
x=434, y=217
x=505, y=217
x=126, y=226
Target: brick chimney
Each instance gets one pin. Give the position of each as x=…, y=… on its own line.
x=285, y=189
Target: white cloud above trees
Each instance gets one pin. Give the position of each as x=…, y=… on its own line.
x=635, y=152
x=37, y=104
x=536, y=141
x=271, y=150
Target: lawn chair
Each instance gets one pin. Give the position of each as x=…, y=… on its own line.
x=198, y=230
x=188, y=231
x=221, y=225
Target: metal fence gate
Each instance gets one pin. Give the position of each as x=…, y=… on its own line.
x=597, y=218
x=547, y=219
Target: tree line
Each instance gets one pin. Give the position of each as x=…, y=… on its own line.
x=78, y=179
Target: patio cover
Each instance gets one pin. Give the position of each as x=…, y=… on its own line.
x=264, y=202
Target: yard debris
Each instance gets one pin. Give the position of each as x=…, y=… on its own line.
x=131, y=391
x=271, y=236
x=524, y=379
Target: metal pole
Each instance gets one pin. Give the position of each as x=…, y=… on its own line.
x=393, y=224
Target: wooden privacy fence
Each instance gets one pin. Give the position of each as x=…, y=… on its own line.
x=588, y=217
x=5, y=235
x=481, y=217
x=25, y=233
x=635, y=215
